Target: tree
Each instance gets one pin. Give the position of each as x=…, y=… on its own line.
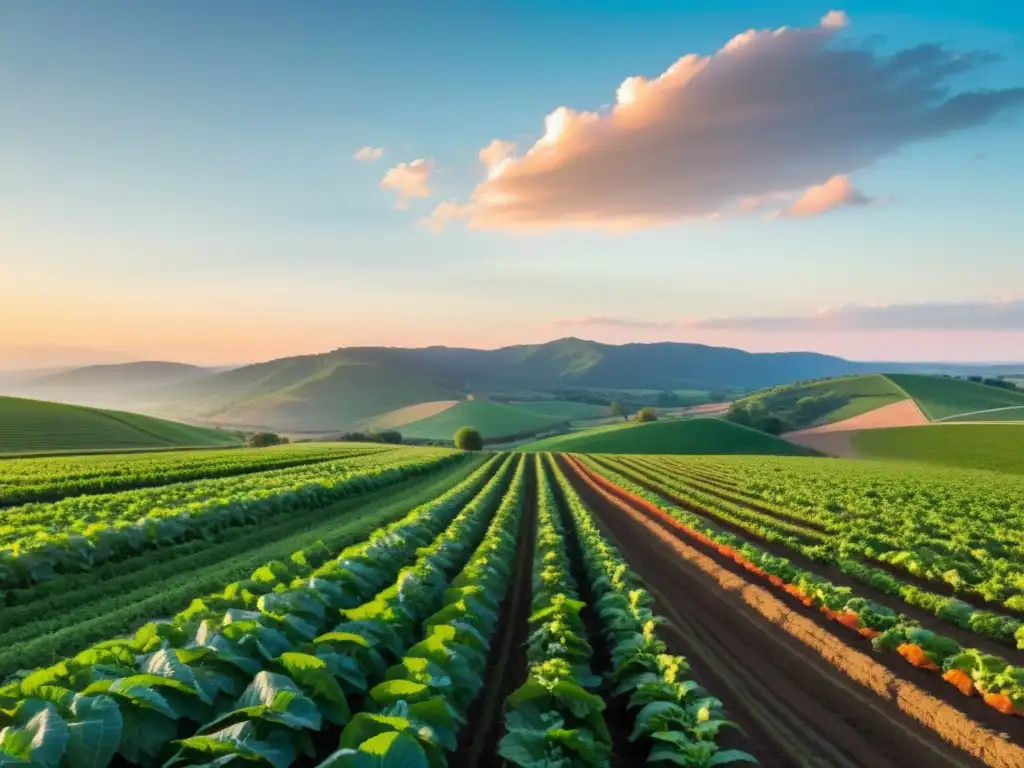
x=616, y=408
x=646, y=415
x=468, y=439
x=265, y=439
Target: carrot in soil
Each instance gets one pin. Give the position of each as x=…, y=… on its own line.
x=915, y=655
x=960, y=680
x=1000, y=702
x=849, y=619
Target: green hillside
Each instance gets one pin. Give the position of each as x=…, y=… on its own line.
x=36, y=426
x=824, y=402
x=564, y=409
x=679, y=436
x=943, y=398
x=998, y=447
x=491, y=419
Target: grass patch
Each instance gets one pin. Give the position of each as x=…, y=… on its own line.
x=565, y=410
x=942, y=398
x=1013, y=413
x=678, y=436
x=490, y=419
x=39, y=427
x=997, y=447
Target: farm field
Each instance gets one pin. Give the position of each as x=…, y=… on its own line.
x=39, y=427
x=24, y=480
x=492, y=420
x=564, y=410
x=942, y=398
x=998, y=447
x=680, y=436
x=427, y=607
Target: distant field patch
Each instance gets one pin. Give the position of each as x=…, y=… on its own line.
x=409, y=414
x=37, y=426
x=998, y=447
x=943, y=398
x=566, y=410
x=1011, y=413
x=679, y=436
x=492, y=420
x=836, y=439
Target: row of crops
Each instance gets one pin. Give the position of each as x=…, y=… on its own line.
x=50, y=479
x=40, y=540
x=790, y=525
x=379, y=654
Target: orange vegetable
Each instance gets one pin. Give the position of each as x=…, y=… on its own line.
x=960, y=680
x=849, y=619
x=999, y=701
x=915, y=655
x=868, y=632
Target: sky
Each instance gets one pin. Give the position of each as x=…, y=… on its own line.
x=228, y=182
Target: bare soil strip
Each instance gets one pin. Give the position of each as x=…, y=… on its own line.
x=837, y=439
x=506, y=667
x=803, y=709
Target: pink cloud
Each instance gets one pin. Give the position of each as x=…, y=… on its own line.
x=409, y=180
x=822, y=198
x=770, y=114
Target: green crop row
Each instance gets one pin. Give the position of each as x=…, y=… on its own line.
x=50, y=479
x=999, y=682
x=258, y=667
x=675, y=715
x=128, y=526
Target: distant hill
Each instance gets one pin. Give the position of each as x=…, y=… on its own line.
x=36, y=426
x=347, y=387
x=350, y=387
x=675, y=436
x=942, y=398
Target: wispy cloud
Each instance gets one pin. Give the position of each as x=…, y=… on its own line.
x=770, y=115
x=1005, y=315
x=369, y=154
x=409, y=180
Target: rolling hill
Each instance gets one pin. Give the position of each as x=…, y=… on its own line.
x=36, y=426
x=492, y=420
x=564, y=409
x=676, y=436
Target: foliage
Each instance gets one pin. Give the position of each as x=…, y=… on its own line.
x=468, y=439
x=265, y=440
x=646, y=415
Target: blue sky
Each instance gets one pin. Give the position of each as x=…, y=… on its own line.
x=178, y=182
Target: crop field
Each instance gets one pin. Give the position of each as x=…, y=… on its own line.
x=353, y=606
x=35, y=426
x=942, y=398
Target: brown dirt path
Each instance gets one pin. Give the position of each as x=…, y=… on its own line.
x=805, y=697
x=837, y=439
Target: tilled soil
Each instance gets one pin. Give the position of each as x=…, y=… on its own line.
x=803, y=696
x=506, y=667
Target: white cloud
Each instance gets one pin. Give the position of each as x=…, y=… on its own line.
x=822, y=198
x=369, y=154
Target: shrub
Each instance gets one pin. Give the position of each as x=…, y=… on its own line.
x=646, y=415
x=264, y=439
x=468, y=439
